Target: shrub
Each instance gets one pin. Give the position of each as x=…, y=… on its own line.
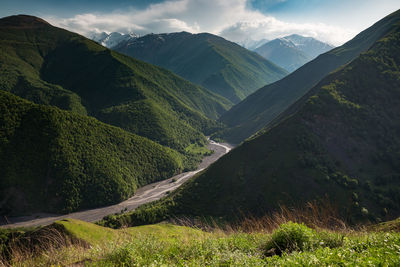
x=290, y=237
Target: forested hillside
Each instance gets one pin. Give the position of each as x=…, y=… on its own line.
x=58, y=161
x=52, y=66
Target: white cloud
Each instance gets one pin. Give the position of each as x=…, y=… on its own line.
x=229, y=18
x=270, y=28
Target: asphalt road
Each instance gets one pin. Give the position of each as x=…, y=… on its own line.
x=143, y=195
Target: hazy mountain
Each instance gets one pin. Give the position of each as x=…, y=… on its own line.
x=309, y=45
x=340, y=142
x=292, y=52
x=266, y=104
x=252, y=44
x=221, y=66
x=284, y=53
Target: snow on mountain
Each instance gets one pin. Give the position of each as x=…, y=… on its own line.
x=252, y=44
x=110, y=39
x=293, y=51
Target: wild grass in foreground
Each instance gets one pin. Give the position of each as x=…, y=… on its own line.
x=289, y=244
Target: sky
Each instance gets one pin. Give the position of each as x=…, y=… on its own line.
x=332, y=21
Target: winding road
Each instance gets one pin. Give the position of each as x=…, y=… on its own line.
x=146, y=194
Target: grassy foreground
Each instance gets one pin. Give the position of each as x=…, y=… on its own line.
x=290, y=244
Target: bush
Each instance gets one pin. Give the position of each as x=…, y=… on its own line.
x=290, y=237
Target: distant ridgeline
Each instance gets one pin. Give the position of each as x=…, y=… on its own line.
x=52, y=66
x=341, y=141
x=221, y=66
x=293, y=51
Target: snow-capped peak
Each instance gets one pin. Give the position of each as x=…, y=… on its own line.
x=110, y=39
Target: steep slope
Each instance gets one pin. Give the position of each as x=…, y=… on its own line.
x=211, y=61
x=341, y=142
x=267, y=103
x=52, y=66
x=58, y=161
x=284, y=53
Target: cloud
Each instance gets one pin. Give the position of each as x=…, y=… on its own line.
x=270, y=28
x=230, y=18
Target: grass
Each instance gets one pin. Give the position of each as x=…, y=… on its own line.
x=173, y=245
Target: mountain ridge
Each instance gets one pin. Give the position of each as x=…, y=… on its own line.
x=266, y=104
x=223, y=67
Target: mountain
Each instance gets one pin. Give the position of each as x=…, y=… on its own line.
x=284, y=53
x=309, y=45
x=49, y=65
x=58, y=161
x=292, y=52
x=110, y=40
x=221, y=66
x=341, y=142
x=266, y=104
x=251, y=44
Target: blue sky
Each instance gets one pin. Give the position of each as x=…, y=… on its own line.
x=333, y=21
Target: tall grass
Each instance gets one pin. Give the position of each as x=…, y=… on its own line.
x=315, y=214
x=309, y=235
x=42, y=241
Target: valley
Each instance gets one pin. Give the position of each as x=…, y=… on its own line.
x=191, y=133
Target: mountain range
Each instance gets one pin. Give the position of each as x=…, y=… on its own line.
x=339, y=144
x=48, y=65
x=51, y=66
x=223, y=67
x=293, y=51
x=266, y=105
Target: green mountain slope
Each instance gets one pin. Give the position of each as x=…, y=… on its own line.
x=53, y=160
x=211, y=61
x=267, y=103
x=342, y=142
x=49, y=65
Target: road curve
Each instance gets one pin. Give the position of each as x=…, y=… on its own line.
x=146, y=194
